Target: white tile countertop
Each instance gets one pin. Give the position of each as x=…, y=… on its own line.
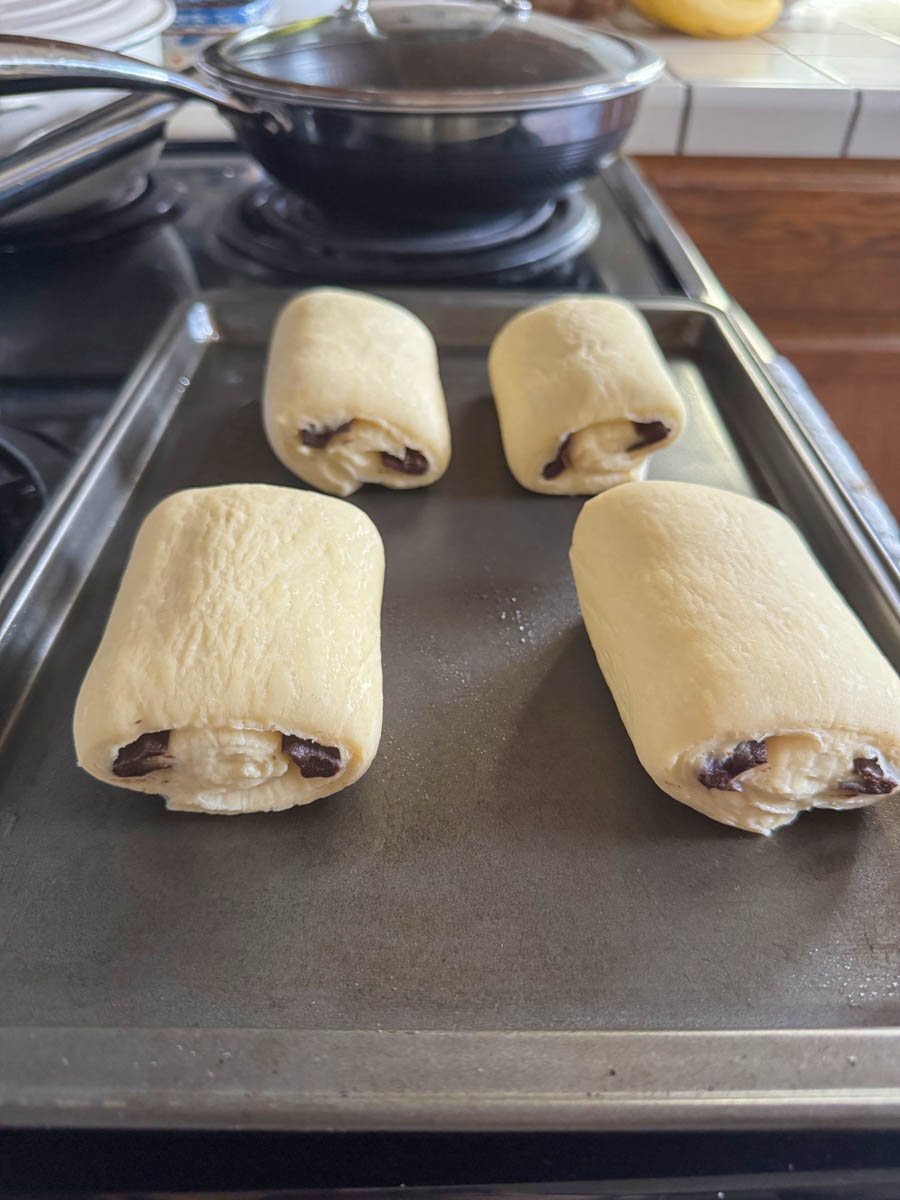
x=823, y=82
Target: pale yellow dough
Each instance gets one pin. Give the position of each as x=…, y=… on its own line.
x=714, y=625
x=582, y=369
x=245, y=612
x=340, y=357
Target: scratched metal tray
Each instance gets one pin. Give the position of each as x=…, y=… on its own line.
x=504, y=924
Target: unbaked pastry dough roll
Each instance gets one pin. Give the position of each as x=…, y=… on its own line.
x=353, y=394
x=583, y=395
x=749, y=689
x=240, y=670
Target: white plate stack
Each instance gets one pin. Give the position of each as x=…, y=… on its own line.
x=133, y=27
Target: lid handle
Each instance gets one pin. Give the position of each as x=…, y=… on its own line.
x=360, y=8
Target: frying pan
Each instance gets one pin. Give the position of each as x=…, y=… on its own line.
x=416, y=112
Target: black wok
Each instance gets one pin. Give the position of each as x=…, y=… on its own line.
x=420, y=112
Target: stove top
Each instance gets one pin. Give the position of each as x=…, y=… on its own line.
x=83, y=296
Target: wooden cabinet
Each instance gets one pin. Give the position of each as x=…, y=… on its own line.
x=811, y=249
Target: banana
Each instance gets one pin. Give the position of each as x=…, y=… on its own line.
x=712, y=18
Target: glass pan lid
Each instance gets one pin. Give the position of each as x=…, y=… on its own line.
x=446, y=56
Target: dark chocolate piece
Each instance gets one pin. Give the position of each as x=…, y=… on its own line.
x=871, y=779
x=648, y=433
x=318, y=438
x=314, y=760
x=716, y=777
x=559, y=464
x=412, y=462
x=721, y=774
x=147, y=753
x=746, y=755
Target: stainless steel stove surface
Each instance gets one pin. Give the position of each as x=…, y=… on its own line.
x=83, y=295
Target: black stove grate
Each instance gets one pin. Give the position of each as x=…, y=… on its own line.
x=270, y=235
x=139, y=212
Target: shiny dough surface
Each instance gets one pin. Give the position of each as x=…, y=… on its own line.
x=582, y=378
x=353, y=394
x=245, y=613
x=731, y=656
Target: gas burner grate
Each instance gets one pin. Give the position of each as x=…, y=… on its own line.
x=273, y=236
x=302, y=223
x=31, y=467
x=139, y=212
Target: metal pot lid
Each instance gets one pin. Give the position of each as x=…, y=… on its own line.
x=451, y=56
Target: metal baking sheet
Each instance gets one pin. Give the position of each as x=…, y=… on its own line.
x=504, y=924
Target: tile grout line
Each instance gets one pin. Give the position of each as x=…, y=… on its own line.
x=873, y=31
x=818, y=70
x=851, y=125
x=681, y=140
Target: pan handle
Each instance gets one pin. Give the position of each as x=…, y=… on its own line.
x=43, y=65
